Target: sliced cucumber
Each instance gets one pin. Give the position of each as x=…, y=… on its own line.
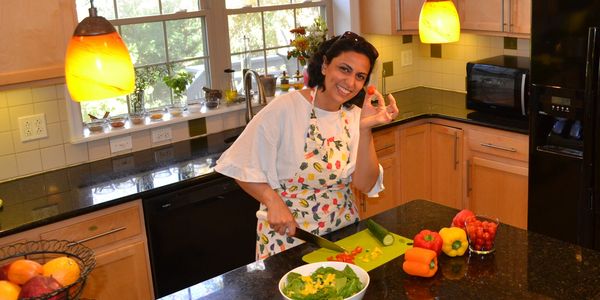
x=382, y=234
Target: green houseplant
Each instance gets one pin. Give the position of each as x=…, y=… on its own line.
x=178, y=83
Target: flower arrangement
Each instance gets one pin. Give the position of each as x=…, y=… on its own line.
x=307, y=40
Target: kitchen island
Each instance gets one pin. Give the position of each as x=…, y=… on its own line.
x=525, y=265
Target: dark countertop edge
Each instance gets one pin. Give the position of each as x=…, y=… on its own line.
x=457, y=119
x=213, y=175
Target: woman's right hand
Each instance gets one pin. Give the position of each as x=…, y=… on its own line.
x=280, y=218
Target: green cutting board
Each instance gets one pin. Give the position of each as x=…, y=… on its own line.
x=367, y=241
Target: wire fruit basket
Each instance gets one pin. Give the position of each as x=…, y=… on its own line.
x=45, y=250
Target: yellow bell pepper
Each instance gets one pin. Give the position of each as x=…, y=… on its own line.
x=455, y=241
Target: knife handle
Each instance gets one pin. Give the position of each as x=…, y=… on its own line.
x=261, y=215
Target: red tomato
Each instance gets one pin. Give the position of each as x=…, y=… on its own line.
x=371, y=90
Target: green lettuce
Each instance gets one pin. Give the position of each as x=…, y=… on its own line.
x=346, y=285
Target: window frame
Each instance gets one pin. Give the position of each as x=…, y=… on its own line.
x=218, y=51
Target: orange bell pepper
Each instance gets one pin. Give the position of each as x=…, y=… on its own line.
x=420, y=262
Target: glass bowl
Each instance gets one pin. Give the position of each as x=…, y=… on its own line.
x=137, y=118
x=156, y=114
x=96, y=125
x=481, y=233
x=176, y=111
x=117, y=121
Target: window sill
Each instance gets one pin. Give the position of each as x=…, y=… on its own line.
x=168, y=119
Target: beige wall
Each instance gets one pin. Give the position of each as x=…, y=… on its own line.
x=19, y=159
x=447, y=72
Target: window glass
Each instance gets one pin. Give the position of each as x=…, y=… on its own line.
x=277, y=27
x=137, y=8
x=115, y=106
x=245, y=25
x=145, y=43
x=240, y=3
x=105, y=9
x=173, y=6
x=184, y=39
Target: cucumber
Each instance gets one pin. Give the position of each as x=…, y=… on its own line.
x=382, y=234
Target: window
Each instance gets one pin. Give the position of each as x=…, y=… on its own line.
x=203, y=37
x=168, y=35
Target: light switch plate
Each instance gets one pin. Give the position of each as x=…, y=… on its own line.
x=161, y=134
x=388, y=68
x=406, y=58
x=32, y=127
x=120, y=144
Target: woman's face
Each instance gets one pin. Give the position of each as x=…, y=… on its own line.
x=345, y=76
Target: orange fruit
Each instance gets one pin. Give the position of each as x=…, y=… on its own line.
x=9, y=290
x=64, y=269
x=22, y=270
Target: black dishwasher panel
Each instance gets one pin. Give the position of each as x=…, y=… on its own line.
x=199, y=232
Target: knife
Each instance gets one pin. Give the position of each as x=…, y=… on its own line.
x=307, y=236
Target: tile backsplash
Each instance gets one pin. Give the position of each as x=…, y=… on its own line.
x=18, y=159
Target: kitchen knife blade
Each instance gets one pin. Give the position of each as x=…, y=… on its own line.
x=307, y=236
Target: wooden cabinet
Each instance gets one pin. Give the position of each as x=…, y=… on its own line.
x=120, y=274
x=117, y=236
x=497, y=173
x=504, y=16
x=431, y=164
x=447, y=165
x=385, y=145
x=390, y=16
x=415, y=163
x=37, y=34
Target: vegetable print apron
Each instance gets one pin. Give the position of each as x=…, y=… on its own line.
x=319, y=199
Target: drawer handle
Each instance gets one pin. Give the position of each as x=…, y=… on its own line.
x=97, y=236
x=509, y=149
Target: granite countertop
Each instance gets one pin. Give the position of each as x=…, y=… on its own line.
x=525, y=265
x=58, y=195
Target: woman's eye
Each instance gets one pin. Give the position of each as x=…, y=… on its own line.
x=345, y=69
x=361, y=77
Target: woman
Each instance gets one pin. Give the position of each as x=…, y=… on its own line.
x=299, y=154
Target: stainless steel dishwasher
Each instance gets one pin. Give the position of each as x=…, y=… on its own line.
x=199, y=232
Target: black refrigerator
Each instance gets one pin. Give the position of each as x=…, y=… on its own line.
x=564, y=170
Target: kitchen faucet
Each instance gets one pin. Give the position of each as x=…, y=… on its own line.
x=262, y=99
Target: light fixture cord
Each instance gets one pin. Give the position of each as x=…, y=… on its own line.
x=92, y=10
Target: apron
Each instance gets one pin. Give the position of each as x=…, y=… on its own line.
x=319, y=199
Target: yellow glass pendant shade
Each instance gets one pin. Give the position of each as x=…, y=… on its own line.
x=97, y=64
x=438, y=22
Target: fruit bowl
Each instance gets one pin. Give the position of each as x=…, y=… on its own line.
x=47, y=250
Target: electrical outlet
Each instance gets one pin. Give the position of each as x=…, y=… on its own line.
x=120, y=144
x=388, y=68
x=32, y=127
x=161, y=134
x=407, y=59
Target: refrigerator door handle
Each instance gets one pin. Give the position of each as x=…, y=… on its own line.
x=523, y=81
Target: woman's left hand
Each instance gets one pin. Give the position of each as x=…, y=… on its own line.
x=373, y=115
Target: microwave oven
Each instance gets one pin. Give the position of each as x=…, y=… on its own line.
x=499, y=85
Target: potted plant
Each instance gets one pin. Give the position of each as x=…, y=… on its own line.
x=178, y=83
x=145, y=77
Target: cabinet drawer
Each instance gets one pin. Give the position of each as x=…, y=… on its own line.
x=101, y=230
x=385, y=139
x=509, y=146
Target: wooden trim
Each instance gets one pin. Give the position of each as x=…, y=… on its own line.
x=500, y=166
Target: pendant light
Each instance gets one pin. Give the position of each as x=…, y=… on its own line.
x=97, y=64
x=438, y=22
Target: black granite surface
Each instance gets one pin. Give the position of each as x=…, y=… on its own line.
x=57, y=195
x=525, y=265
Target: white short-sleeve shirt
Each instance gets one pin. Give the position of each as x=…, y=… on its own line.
x=271, y=147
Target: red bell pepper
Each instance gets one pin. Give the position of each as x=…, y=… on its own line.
x=429, y=240
x=461, y=217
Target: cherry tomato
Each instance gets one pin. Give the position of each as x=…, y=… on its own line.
x=371, y=90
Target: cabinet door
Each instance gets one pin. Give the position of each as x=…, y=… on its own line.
x=415, y=163
x=500, y=189
x=520, y=16
x=410, y=11
x=481, y=15
x=37, y=36
x=388, y=198
x=446, y=165
x=120, y=273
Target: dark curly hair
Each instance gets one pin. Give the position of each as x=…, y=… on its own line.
x=333, y=47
